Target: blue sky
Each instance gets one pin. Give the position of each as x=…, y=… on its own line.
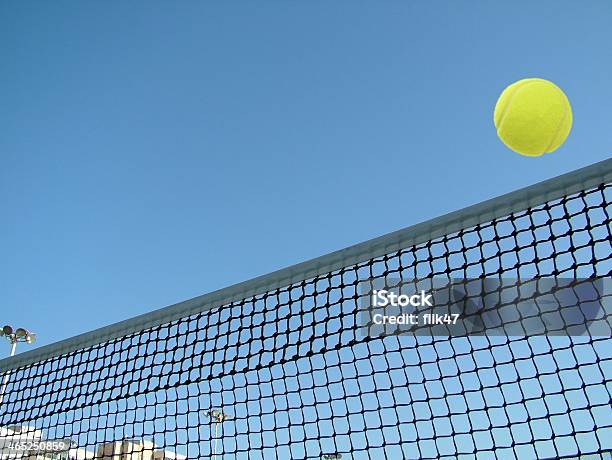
x=152, y=152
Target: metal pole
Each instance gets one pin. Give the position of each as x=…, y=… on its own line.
x=214, y=456
x=8, y=374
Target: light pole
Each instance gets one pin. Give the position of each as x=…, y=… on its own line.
x=13, y=336
x=218, y=417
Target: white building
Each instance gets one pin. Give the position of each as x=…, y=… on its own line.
x=134, y=449
x=28, y=433
x=126, y=449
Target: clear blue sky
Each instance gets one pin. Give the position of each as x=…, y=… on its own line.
x=154, y=151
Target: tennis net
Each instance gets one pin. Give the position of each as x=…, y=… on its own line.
x=280, y=367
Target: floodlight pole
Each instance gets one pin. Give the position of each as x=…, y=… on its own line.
x=214, y=456
x=8, y=374
x=13, y=347
x=19, y=335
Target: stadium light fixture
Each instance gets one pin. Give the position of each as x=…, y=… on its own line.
x=17, y=335
x=14, y=336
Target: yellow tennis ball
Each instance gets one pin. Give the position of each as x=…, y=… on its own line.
x=533, y=116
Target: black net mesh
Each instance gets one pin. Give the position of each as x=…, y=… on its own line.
x=288, y=375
